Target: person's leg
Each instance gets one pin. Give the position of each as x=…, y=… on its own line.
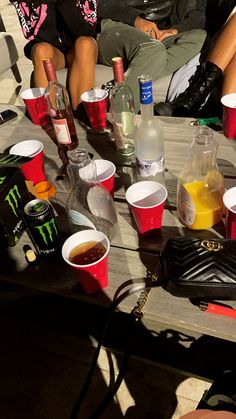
x=40, y=51
x=229, y=79
x=220, y=61
x=208, y=414
x=135, y=47
x=225, y=46
x=224, y=55
x=181, y=48
x=81, y=60
x=142, y=54
x=180, y=80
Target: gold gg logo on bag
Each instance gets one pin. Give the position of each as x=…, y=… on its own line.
x=211, y=245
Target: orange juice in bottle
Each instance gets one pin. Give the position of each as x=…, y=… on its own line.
x=201, y=185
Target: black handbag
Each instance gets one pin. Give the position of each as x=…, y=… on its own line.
x=197, y=268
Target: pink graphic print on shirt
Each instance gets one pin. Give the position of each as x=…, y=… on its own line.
x=88, y=10
x=31, y=20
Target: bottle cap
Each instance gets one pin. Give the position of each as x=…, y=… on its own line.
x=49, y=69
x=44, y=190
x=118, y=69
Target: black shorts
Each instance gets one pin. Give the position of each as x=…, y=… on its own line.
x=64, y=47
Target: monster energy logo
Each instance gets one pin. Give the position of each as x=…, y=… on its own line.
x=47, y=229
x=13, y=197
x=2, y=179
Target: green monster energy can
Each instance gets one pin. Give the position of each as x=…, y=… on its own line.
x=42, y=227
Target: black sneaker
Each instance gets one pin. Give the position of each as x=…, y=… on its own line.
x=221, y=395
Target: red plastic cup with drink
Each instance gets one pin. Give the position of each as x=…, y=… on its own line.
x=86, y=252
x=34, y=169
x=106, y=174
x=229, y=200
x=95, y=103
x=36, y=105
x=146, y=200
x=229, y=115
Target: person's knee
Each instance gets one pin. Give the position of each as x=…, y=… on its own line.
x=85, y=45
x=197, y=36
x=151, y=58
x=40, y=51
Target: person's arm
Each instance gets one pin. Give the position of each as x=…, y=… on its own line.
x=109, y=9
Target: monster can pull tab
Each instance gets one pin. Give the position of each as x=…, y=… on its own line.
x=42, y=227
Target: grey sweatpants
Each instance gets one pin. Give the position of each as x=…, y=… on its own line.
x=142, y=54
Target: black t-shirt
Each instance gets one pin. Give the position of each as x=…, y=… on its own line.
x=58, y=22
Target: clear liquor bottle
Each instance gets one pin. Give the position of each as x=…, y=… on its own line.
x=122, y=110
x=60, y=109
x=89, y=204
x=149, y=145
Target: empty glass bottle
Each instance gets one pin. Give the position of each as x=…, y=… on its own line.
x=89, y=204
x=201, y=185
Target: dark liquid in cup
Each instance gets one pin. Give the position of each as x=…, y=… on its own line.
x=233, y=208
x=86, y=253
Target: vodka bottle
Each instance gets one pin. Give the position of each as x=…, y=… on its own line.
x=60, y=109
x=89, y=204
x=122, y=110
x=149, y=147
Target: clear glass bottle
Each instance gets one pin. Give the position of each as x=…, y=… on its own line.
x=60, y=109
x=122, y=110
x=89, y=204
x=149, y=144
x=201, y=185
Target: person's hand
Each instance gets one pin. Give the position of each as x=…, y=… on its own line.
x=146, y=26
x=165, y=33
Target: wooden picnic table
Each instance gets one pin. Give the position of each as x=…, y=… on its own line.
x=130, y=255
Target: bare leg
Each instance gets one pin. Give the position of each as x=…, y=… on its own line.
x=39, y=52
x=229, y=81
x=82, y=59
x=225, y=46
x=209, y=414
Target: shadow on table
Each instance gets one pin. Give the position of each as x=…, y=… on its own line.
x=46, y=350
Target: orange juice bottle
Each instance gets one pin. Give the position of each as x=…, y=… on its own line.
x=201, y=185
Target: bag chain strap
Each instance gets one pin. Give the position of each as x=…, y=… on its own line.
x=141, y=302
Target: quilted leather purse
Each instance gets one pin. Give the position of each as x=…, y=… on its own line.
x=197, y=268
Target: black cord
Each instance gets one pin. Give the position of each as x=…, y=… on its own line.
x=111, y=393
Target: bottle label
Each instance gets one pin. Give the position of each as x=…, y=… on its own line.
x=151, y=167
x=118, y=133
x=146, y=92
x=62, y=131
x=79, y=219
x=123, y=130
x=186, y=208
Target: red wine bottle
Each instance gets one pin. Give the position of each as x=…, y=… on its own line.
x=60, y=109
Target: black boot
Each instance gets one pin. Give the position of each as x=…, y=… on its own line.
x=193, y=98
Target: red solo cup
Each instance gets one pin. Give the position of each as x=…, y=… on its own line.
x=94, y=276
x=229, y=115
x=229, y=200
x=95, y=103
x=106, y=174
x=146, y=200
x=34, y=169
x=36, y=105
